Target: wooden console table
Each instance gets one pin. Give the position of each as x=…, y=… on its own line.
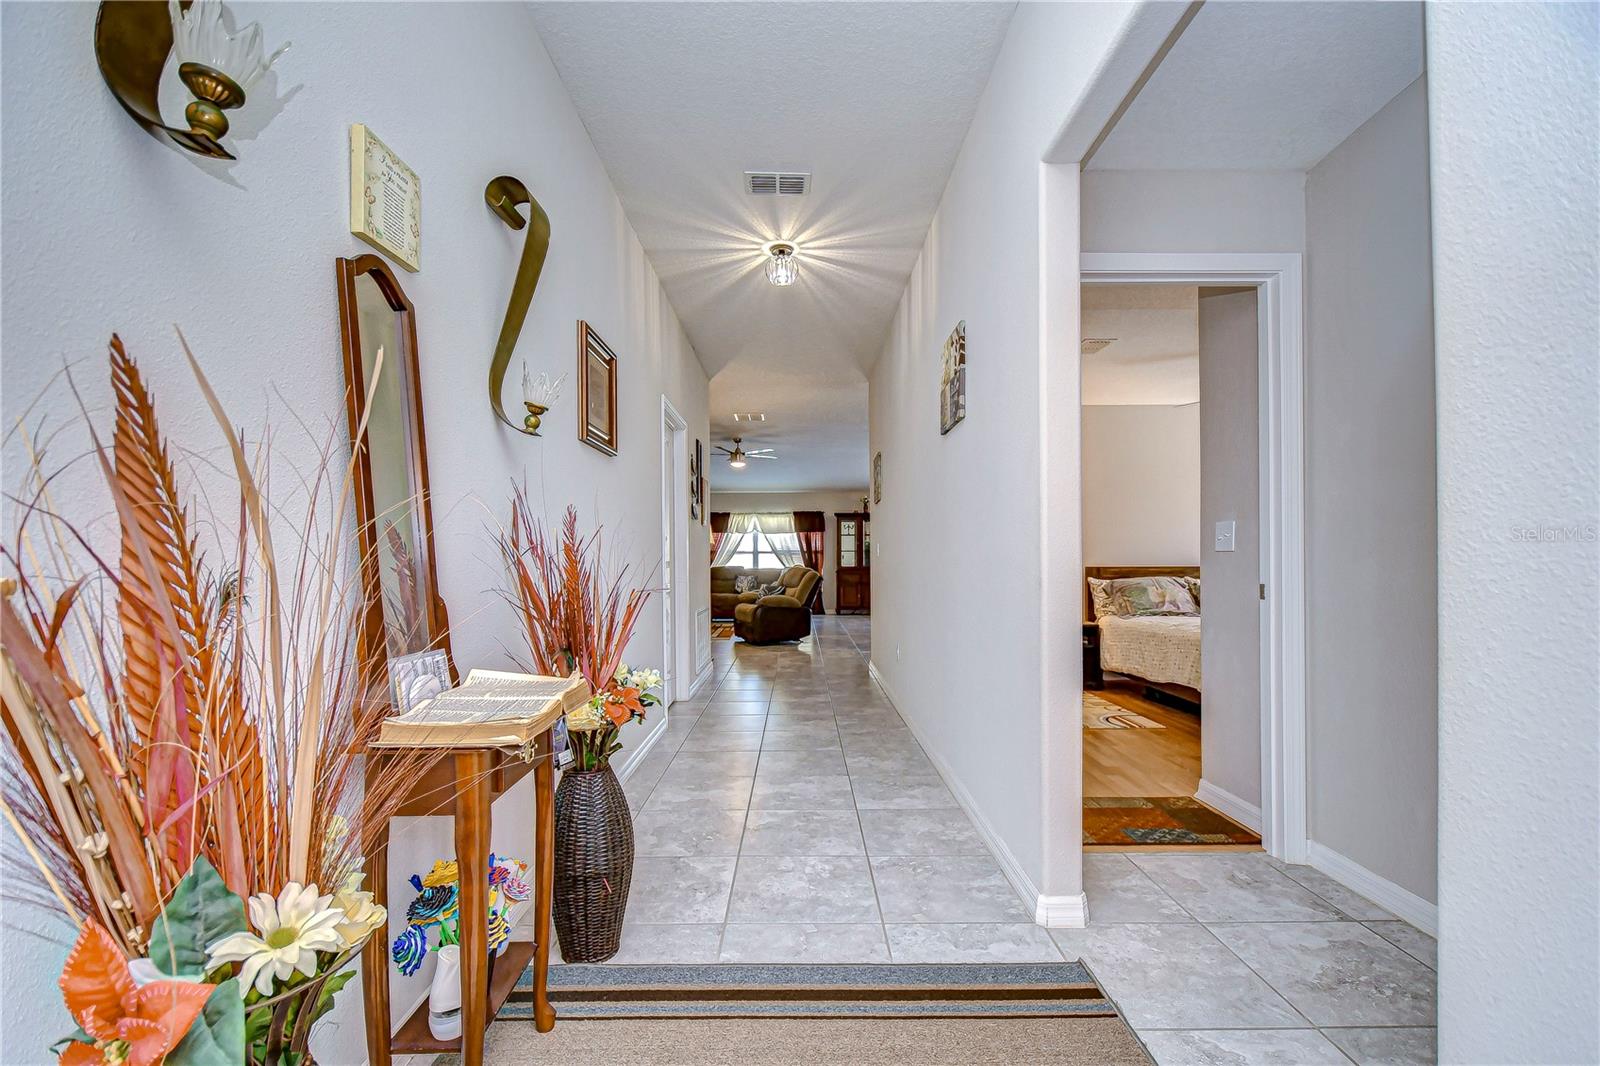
x=464, y=784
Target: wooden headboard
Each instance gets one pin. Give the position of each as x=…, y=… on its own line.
x=1108, y=572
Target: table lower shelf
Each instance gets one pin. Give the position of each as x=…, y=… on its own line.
x=414, y=1037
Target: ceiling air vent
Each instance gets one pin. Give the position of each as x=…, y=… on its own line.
x=775, y=183
x=1095, y=344
x=753, y=416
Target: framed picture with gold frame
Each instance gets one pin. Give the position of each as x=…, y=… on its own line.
x=597, y=391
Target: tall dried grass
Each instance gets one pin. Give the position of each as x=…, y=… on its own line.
x=164, y=707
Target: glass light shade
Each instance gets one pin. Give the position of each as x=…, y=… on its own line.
x=782, y=267
x=200, y=36
x=736, y=463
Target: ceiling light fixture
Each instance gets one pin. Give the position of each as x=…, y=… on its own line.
x=782, y=267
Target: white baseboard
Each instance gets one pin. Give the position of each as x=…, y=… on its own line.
x=703, y=674
x=1400, y=902
x=1245, y=813
x=1062, y=912
x=1058, y=912
x=636, y=756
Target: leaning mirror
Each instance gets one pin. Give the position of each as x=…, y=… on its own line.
x=395, y=521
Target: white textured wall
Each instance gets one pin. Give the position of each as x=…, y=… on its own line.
x=1230, y=598
x=1513, y=126
x=107, y=229
x=1141, y=485
x=957, y=539
x=1193, y=211
x=1372, y=695
x=828, y=502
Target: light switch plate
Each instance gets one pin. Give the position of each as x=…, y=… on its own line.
x=1224, y=541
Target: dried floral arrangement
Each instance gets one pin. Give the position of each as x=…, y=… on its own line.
x=437, y=905
x=182, y=734
x=577, y=613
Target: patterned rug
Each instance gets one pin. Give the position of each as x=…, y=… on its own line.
x=1126, y=820
x=1103, y=714
x=721, y=630
x=1051, y=1014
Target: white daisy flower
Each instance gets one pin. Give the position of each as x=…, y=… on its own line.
x=289, y=931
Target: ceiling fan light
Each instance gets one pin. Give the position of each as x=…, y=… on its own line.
x=782, y=266
x=736, y=462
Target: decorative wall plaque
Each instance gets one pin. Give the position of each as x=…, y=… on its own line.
x=385, y=199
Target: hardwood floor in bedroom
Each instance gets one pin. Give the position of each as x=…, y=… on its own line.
x=1142, y=762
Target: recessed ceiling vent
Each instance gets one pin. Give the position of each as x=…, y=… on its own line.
x=775, y=183
x=1095, y=344
x=753, y=416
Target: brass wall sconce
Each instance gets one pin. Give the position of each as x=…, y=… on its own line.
x=132, y=42
x=504, y=195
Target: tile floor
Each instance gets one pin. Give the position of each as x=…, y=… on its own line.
x=787, y=815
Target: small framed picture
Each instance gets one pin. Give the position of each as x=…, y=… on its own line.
x=696, y=504
x=877, y=478
x=705, y=496
x=597, y=391
x=418, y=677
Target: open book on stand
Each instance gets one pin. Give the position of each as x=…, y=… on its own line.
x=491, y=709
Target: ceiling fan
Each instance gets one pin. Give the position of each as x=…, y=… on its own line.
x=737, y=456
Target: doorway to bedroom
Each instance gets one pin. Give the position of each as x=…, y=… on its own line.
x=1171, y=633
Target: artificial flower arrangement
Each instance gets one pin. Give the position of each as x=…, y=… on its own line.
x=437, y=906
x=578, y=614
x=592, y=728
x=181, y=745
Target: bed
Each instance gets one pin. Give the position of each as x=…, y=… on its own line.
x=1163, y=651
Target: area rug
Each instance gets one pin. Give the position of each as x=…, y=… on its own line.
x=1158, y=820
x=1101, y=713
x=1048, y=1013
x=721, y=630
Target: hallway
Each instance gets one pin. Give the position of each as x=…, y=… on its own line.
x=790, y=816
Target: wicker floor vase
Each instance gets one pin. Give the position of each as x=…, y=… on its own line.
x=594, y=864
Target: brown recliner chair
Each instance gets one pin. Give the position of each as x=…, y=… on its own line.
x=762, y=619
x=723, y=598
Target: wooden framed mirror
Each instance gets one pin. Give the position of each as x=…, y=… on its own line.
x=394, y=513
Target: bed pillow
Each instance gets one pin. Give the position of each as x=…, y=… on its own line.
x=1100, y=597
x=1143, y=596
x=1193, y=584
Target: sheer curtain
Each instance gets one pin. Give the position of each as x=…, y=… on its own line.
x=781, y=537
x=738, y=526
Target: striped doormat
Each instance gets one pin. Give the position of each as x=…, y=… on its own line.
x=1049, y=1013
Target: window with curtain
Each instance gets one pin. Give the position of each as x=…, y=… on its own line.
x=756, y=550
x=759, y=542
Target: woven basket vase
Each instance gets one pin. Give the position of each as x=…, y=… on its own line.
x=594, y=864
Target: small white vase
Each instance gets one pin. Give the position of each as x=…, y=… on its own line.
x=444, y=996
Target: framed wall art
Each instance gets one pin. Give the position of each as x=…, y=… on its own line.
x=597, y=391
x=696, y=504
x=877, y=478
x=385, y=199
x=953, y=379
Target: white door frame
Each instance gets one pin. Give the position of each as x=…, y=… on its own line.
x=1281, y=455
x=676, y=636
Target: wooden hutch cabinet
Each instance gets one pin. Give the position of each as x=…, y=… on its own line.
x=852, y=562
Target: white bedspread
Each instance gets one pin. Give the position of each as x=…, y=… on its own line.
x=1154, y=647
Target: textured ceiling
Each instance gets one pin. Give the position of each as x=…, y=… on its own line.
x=872, y=99
x=1267, y=86
x=1155, y=358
